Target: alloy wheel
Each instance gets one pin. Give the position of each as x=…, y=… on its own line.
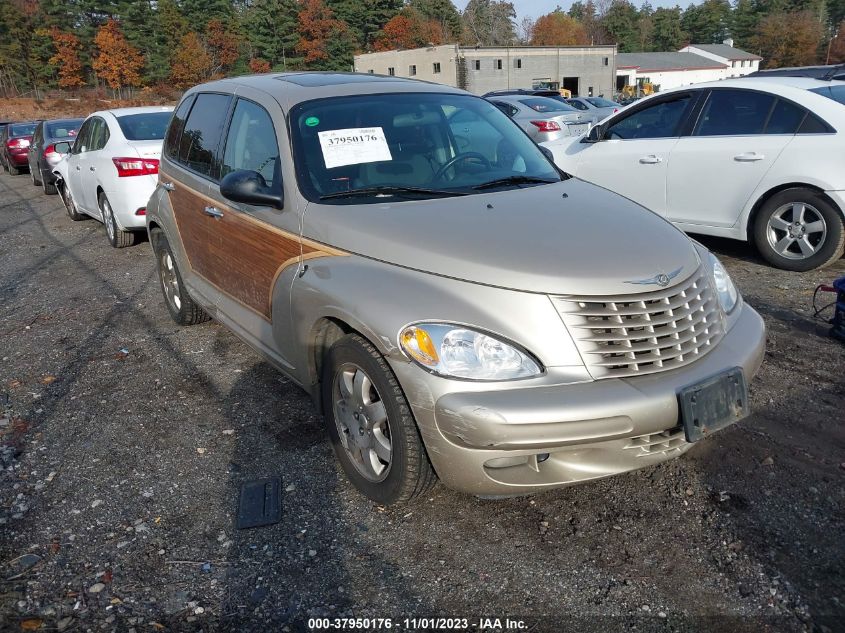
x=796, y=230
x=108, y=218
x=362, y=424
x=169, y=280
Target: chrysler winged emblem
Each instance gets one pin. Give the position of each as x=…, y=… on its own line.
x=661, y=279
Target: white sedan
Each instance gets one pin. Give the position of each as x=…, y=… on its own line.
x=112, y=168
x=758, y=159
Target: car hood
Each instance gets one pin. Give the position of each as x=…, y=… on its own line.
x=567, y=238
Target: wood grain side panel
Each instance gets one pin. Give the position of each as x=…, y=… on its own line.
x=239, y=254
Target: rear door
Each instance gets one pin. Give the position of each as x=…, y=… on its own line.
x=633, y=155
x=736, y=140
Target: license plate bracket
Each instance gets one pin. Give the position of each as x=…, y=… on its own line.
x=713, y=403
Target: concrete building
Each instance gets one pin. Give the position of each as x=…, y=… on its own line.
x=585, y=70
x=693, y=64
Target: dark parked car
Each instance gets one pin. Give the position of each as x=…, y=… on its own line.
x=825, y=73
x=43, y=157
x=14, y=144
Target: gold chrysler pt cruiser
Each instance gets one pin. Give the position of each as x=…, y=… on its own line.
x=457, y=307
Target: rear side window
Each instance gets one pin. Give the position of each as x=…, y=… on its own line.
x=99, y=135
x=734, y=112
x=201, y=136
x=174, y=132
x=814, y=125
x=785, y=119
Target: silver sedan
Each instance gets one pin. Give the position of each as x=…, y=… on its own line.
x=597, y=107
x=543, y=118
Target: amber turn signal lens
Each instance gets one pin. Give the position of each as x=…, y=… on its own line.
x=418, y=344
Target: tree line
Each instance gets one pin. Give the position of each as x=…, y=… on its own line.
x=124, y=44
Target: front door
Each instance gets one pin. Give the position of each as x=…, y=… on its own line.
x=77, y=164
x=737, y=139
x=633, y=156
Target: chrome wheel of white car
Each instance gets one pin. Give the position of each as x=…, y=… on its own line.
x=117, y=236
x=796, y=230
x=361, y=420
x=70, y=205
x=799, y=229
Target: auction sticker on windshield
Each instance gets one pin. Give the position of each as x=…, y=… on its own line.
x=353, y=146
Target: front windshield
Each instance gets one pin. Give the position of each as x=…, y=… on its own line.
x=437, y=142
x=545, y=104
x=599, y=102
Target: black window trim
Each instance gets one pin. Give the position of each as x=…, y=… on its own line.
x=180, y=164
x=222, y=147
x=776, y=100
x=175, y=159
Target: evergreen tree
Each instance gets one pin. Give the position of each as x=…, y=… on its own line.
x=620, y=22
x=708, y=23
x=667, y=34
x=744, y=22
x=271, y=27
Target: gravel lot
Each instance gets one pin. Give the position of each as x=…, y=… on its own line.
x=125, y=439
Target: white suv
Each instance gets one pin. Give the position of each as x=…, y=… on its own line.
x=758, y=159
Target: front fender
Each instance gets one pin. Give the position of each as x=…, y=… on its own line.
x=377, y=300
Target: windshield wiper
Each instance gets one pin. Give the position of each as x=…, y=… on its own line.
x=515, y=180
x=391, y=190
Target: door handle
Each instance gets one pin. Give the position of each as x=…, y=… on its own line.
x=214, y=212
x=749, y=157
x=92, y=168
x=77, y=168
x=651, y=159
x=168, y=186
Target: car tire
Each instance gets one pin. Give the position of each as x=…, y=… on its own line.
x=70, y=205
x=50, y=189
x=183, y=309
x=117, y=237
x=799, y=230
x=370, y=424
x=15, y=171
x=36, y=182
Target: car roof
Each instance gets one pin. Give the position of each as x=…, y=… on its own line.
x=118, y=112
x=293, y=88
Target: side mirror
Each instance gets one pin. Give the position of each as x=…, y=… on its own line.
x=595, y=134
x=63, y=147
x=250, y=187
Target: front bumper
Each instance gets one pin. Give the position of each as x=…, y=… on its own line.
x=528, y=439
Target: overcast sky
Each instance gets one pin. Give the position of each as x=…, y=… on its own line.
x=536, y=8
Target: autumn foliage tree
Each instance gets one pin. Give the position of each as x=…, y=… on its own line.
x=558, y=29
x=190, y=64
x=258, y=65
x=118, y=63
x=223, y=46
x=67, y=47
x=409, y=29
x=324, y=41
x=789, y=39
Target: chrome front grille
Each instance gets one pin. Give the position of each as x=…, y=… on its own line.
x=632, y=335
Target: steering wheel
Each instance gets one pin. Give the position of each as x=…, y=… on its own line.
x=458, y=158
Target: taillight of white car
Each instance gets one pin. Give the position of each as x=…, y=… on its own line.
x=135, y=166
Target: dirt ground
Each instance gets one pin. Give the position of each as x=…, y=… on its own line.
x=125, y=439
x=28, y=109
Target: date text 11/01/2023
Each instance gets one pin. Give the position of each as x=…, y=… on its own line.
x=482, y=625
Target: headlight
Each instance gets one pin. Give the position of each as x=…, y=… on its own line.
x=725, y=288
x=459, y=352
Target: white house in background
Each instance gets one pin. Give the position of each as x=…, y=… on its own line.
x=738, y=62
x=693, y=64
x=666, y=70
